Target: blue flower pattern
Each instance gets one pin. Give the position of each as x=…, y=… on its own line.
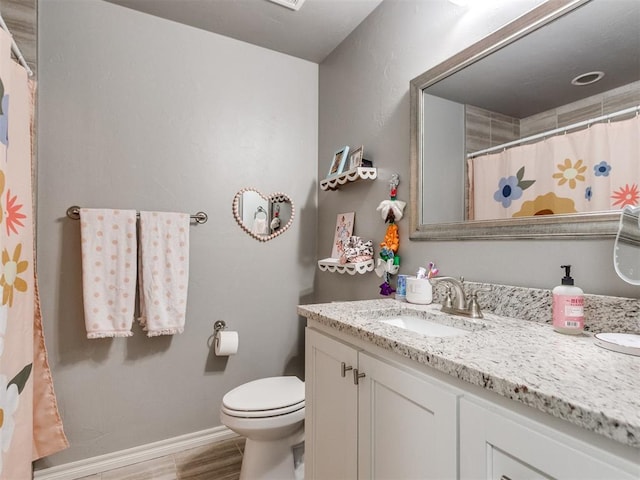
x=508, y=190
x=588, y=193
x=602, y=169
x=4, y=121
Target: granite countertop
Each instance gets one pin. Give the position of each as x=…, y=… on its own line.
x=566, y=376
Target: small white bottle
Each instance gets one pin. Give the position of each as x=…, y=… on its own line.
x=568, y=306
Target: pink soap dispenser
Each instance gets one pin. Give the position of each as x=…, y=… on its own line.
x=568, y=306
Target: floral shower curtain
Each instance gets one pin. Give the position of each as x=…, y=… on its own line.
x=30, y=426
x=596, y=169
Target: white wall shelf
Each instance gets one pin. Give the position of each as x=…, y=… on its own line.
x=333, y=265
x=353, y=175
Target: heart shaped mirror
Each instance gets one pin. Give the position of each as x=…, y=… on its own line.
x=264, y=217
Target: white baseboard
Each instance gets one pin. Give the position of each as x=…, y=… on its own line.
x=130, y=456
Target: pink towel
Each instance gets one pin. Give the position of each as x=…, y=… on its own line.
x=108, y=271
x=164, y=272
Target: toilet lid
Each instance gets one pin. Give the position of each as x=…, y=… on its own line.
x=273, y=393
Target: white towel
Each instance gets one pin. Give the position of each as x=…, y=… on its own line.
x=108, y=271
x=164, y=272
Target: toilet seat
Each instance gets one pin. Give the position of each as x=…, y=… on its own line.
x=266, y=397
x=262, y=413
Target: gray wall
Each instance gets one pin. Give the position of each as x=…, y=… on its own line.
x=442, y=178
x=139, y=112
x=364, y=99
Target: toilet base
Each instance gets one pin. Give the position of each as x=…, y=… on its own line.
x=271, y=460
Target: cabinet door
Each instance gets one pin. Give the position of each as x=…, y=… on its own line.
x=498, y=444
x=331, y=415
x=407, y=424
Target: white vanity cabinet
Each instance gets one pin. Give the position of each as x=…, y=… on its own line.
x=498, y=444
x=406, y=424
x=370, y=418
x=331, y=409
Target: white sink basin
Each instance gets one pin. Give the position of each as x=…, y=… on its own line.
x=424, y=326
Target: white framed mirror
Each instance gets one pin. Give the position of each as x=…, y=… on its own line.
x=599, y=35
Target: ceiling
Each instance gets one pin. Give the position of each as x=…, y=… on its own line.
x=534, y=74
x=310, y=33
x=601, y=35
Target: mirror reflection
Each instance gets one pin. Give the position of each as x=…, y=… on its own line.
x=626, y=253
x=504, y=145
x=264, y=217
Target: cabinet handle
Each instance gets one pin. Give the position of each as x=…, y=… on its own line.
x=357, y=376
x=344, y=369
x=504, y=477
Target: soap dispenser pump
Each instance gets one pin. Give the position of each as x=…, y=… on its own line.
x=568, y=305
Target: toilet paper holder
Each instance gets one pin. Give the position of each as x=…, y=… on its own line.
x=218, y=326
x=224, y=343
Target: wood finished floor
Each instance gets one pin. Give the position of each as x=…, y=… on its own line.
x=219, y=461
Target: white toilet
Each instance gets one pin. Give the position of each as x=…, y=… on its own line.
x=270, y=413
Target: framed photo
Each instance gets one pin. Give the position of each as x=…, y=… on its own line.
x=344, y=229
x=337, y=164
x=356, y=157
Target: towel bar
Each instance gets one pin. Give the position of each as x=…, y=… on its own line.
x=74, y=213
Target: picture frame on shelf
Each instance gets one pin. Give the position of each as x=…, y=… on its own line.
x=344, y=230
x=356, y=157
x=337, y=164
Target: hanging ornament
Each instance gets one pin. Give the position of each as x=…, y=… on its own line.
x=392, y=209
x=389, y=262
x=392, y=238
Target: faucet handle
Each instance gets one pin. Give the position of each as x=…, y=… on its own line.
x=448, y=301
x=474, y=306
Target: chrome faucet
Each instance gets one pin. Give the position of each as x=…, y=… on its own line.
x=458, y=304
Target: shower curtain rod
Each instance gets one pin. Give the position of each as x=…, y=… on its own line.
x=548, y=133
x=14, y=48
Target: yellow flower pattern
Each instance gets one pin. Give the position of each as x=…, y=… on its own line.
x=549, y=204
x=570, y=173
x=12, y=266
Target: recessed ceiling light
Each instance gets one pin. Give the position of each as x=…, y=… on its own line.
x=587, y=78
x=292, y=4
